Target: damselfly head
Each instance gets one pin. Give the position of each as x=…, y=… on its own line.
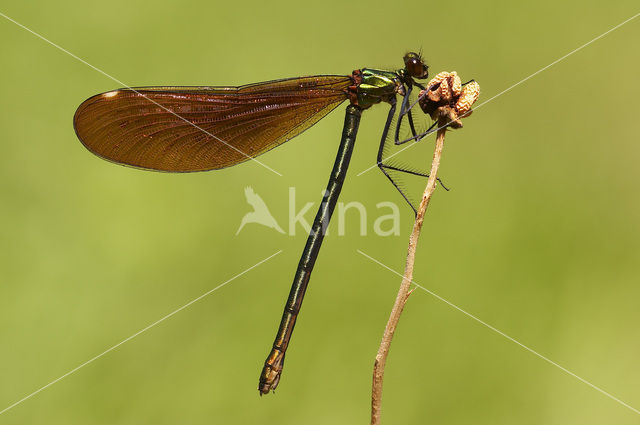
x=414, y=66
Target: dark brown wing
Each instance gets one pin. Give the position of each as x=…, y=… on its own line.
x=185, y=129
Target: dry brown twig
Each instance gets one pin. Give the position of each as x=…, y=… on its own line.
x=447, y=102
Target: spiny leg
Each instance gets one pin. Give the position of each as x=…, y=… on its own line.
x=384, y=167
x=414, y=173
x=417, y=137
x=404, y=111
x=383, y=142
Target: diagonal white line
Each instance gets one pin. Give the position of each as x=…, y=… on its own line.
x=558, y=60
x=518, y=83
x=499, y=332
x=137, y=333
x=135, y=91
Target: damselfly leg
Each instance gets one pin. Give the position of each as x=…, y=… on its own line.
x=384, y=143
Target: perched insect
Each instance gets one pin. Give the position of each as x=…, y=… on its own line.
x=184, y=129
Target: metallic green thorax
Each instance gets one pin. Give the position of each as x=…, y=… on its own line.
x=378, y=86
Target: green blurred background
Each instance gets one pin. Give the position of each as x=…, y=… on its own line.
x=540, y=236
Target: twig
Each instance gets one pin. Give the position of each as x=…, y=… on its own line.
x=403, y=292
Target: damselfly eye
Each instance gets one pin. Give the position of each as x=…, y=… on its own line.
x=414, y=66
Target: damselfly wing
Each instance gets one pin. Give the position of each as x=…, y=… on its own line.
x=182, y=129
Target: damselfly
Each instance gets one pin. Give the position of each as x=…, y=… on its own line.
x=185, y=129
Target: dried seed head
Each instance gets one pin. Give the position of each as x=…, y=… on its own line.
x=446, y=99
